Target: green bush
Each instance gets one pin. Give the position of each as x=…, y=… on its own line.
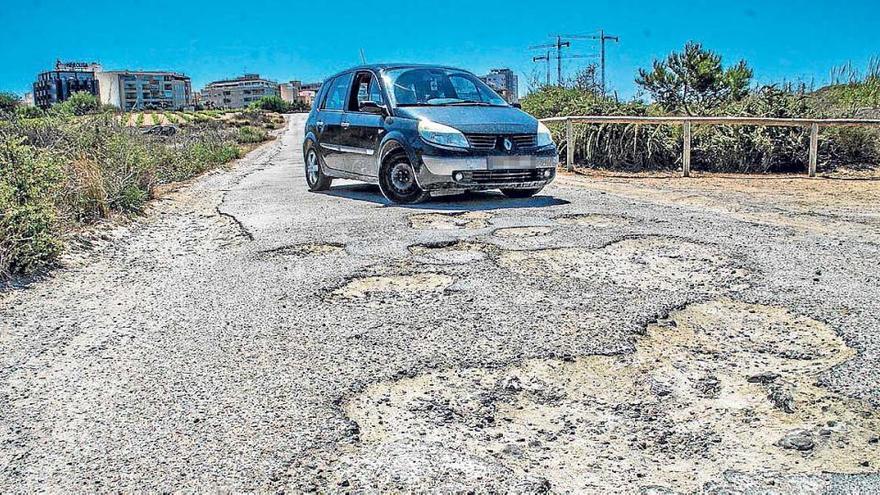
x=29, y=112
x=79, y=103
x=8, y=103
x=272, y=104
x=29, y=234
x=249, y=134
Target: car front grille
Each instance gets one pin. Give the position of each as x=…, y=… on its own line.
x=487, y=142
x=502, y=176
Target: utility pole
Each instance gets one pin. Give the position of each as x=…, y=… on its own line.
x=559, y=45
x=602, y=37
x=546, y=58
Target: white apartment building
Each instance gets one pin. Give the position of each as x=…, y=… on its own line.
x=144, y=90
x=237, y=93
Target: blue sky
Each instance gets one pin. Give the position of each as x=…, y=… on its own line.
x=310, y=40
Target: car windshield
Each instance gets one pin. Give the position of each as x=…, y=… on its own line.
x=438, y=87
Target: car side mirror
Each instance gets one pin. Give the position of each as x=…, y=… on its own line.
x=372, y=107
x=516, y=105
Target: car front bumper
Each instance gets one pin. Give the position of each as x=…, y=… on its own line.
x=486, y=172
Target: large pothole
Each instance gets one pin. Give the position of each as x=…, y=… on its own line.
x=719, y=386
x=450, y=221
x=451, y=253
x=652, y=263
x=383, y=288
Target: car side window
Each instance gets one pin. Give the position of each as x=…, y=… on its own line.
x=366, y=89
x=335, y=99
x=376, y=91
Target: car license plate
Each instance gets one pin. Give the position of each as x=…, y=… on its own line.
x=509, y=162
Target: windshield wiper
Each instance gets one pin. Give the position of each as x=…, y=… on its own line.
x=467, y=102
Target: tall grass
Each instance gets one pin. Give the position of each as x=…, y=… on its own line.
x=59, y=172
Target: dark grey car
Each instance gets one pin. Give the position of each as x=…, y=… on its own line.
x=417, y=130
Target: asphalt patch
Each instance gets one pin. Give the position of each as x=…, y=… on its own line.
x=467, y=220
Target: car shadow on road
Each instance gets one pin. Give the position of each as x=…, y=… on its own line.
x=471, y=201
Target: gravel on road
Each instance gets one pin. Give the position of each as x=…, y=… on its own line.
x=247, y=335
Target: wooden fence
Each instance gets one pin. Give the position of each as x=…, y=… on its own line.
x=688, y=122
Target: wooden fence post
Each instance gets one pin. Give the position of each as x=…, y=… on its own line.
x=814, y=149
x=569, y=144
x=686, y=151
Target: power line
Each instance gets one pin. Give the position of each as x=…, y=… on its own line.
x=559, y=45
x=564, y=41
x=602, y=38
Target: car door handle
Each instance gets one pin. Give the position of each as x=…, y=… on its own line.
x=345, y=125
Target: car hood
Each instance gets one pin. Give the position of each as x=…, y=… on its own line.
x=475, y=119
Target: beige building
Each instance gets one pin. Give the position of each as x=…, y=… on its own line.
x=144, y=90
x=297, y=92
x=237, y=93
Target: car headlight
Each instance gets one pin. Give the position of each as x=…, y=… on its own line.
x=544, y=137
x=442, y=135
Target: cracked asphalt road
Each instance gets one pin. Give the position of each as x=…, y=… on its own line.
x=220, y=342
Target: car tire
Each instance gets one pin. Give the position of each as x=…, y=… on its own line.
x=315, y=178
x=397, y=181
x=521, y=193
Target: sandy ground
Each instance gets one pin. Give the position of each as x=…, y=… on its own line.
x=611, y=335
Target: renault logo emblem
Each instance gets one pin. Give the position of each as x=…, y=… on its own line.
x=508, y=144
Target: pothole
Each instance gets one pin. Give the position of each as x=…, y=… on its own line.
x=717, y=387
x=649, y=263
x=387, y=285
x=450, y=221
x=598, y=220
x=306, y=249
x=523, y=231
x=451, y=253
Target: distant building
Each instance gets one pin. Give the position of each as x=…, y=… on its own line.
x=237, y=93
x=309, y=91
x=290, y=91
x=145, y=90
x=505, y=82
x=28, y=99
x=297, y=92
x=57, y=85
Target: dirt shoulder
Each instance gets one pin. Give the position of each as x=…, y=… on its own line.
x=845, y=203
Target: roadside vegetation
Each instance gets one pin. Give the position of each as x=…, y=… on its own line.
x=78, y=163
x=695, y=81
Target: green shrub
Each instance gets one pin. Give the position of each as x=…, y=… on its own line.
x=29, y=230
x=29, y=112
x=79, y=103
x=250, y=134
x=8, y=103
x=272, y=104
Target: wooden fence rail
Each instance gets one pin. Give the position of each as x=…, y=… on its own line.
x=688, y=122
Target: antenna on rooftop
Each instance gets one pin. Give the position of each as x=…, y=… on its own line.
x=363, y=57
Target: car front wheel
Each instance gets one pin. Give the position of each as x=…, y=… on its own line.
x=315, y=177
x=397, y=180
